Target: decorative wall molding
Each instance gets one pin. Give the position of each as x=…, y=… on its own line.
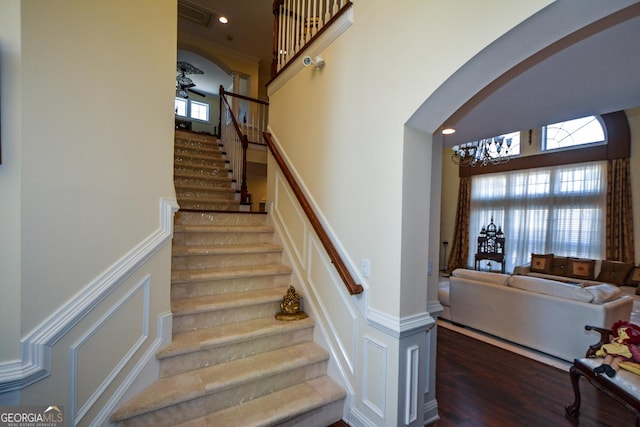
x=75, y=408
x=375, y=365
x=399, y=327
x=164, y=324
x=411, y=384
x=37, y=345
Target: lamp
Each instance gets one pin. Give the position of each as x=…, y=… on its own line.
x=489, y=151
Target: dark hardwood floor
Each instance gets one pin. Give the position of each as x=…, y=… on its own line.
x=478, y=384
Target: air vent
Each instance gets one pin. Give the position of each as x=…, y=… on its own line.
x=194, y=13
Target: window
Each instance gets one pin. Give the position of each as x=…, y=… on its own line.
x=558, y=210
x=199, y=111
x=181, y=107
x=585, y=130
x=192, y=109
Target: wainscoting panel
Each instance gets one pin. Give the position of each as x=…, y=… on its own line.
x=374, y=376
x=328, y=287
x=92, y=361
x=411, y=384
x=292, y=219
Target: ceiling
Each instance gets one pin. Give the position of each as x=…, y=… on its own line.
x=592, y=71
x=595, y=72
x=249, y=33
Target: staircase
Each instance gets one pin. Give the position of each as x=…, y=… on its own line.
x=230, y=362
x=201, y=174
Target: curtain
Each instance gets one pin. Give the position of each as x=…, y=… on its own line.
x=619, y=226
x=559, y=210
x=460, y=244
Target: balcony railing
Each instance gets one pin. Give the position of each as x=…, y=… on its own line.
x=242, y=122
x=297, y=23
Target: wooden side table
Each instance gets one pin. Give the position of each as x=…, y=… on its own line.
x=499, y=258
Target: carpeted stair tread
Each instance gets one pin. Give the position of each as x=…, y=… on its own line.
x=217, y=336
x=185, y=190
x=181, y=388
x=223, y=228
x=257, y=248
x=183, y=276
x=226, y=301
x=193, y=175
x=195, y=155
x=275, y=408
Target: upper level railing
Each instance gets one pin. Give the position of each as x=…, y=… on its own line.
x=352, y=286
x=297, y=23
x=242, y=122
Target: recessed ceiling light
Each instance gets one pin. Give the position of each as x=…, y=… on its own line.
x=223, y=19
x=448, y=131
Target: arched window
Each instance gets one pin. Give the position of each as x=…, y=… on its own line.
x=570, y=133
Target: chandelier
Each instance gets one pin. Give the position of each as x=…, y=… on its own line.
x=489, y=151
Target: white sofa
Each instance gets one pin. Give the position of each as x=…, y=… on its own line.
x=545, y=315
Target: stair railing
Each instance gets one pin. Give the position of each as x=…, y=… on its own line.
x=299, y=22
x=352, y=286
x=242, y=121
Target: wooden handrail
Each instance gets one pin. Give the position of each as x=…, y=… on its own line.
x=353, y=287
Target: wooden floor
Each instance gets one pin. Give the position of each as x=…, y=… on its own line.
x=478, y=384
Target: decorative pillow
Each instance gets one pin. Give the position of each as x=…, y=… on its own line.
x=614, y=272
x=603, y=292
x=551, y=287
x=560, y=266
x=541, y=263
x=582, y=268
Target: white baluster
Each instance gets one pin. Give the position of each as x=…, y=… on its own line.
x=308, y=22
x=315, y=18
x=335, y=7
x=327, y=11
x=280, y=37
x=296, y=28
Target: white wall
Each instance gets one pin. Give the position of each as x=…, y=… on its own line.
x=88, y=180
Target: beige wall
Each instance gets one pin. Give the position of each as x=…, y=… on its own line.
x=10, y=180
x=450, y=184
x=86, y=185
x=327, y=121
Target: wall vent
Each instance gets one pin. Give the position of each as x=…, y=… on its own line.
x=194, y=13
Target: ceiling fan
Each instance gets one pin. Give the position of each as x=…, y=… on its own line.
x=184, y=84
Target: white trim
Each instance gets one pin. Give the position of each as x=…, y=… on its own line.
x=145, y=285
x=163, y=334
x=411, y=384
x=37, y=344
x=399, y=327
x=379, y=408
x=338, y=27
